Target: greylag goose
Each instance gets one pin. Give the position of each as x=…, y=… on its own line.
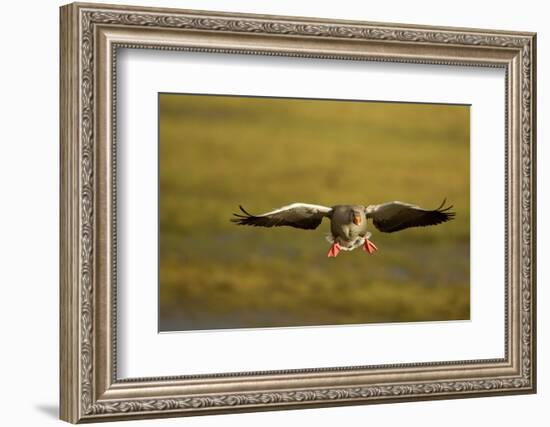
x=348, y=223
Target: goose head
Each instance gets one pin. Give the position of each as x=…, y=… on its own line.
x=357, y=214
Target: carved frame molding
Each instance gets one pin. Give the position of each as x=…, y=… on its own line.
x=90, y=37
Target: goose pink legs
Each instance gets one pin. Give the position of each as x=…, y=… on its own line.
x=367, y=247
x=334, y=250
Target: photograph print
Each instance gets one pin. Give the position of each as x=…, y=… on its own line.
x=288, y=212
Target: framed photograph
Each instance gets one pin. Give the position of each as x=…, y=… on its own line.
x=266, y=212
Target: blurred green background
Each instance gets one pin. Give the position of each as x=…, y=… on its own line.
x=217, y=152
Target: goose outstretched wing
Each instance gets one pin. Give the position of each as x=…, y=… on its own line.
x=298, y=215
x=396, y=216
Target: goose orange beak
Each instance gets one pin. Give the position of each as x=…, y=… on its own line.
x=357, y=219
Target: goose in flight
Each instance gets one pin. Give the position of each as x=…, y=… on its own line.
x=348, y=223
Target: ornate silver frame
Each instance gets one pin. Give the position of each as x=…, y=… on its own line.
x=90, y=36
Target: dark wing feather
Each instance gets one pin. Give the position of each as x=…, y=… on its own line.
x=396, y=216
x=298, y=215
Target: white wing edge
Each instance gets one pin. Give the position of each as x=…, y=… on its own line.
x=370, y=209
x=318, y=208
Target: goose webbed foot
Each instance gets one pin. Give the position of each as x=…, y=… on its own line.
x=369, y=247
x=334, y=250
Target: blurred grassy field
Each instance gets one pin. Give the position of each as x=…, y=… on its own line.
x=218, y=152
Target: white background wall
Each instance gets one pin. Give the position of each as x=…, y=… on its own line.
x=29, y=171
